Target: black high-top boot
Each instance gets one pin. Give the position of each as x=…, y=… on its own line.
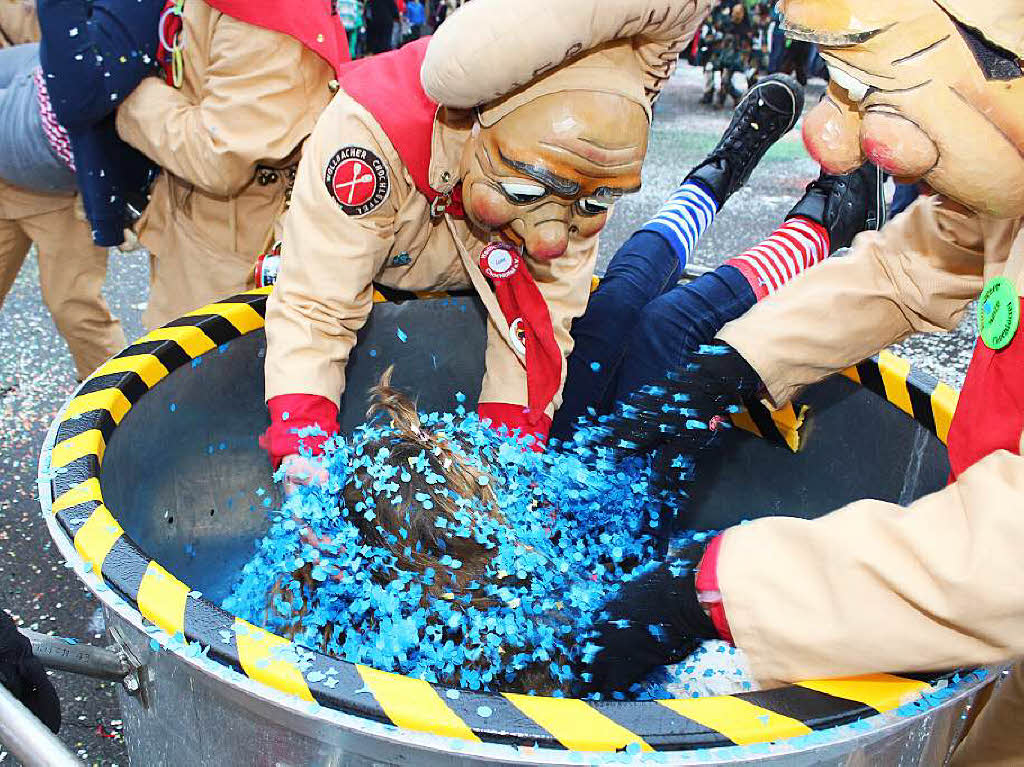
x=845, y=205
x=767, y=112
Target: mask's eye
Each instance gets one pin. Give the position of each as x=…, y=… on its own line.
x=592, y=206
x=522, y=192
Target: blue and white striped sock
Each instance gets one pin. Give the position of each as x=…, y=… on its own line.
x=683, y=218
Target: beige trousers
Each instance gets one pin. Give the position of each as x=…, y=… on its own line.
x=71, y=275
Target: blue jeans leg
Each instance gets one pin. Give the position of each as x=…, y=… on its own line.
x=642, y=269
x=902, y=198
x=674, y=325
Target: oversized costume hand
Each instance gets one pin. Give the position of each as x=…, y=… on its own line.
x=653, y=621
x=23, y=674
x=686, y=411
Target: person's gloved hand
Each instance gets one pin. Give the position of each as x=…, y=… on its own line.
x=653, y=621
x=687, y=409
x=23, y=674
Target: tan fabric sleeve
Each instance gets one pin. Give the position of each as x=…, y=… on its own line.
x=917, y=275
x=565, y=285
x=324, y=291
x=255, y=107
x=875, y=587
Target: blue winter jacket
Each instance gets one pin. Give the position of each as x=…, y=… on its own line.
x=93, y=54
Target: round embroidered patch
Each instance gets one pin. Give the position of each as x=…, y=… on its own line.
x=499, y=261
x=358, y=180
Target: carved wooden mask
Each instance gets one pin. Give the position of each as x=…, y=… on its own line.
x=922, y=93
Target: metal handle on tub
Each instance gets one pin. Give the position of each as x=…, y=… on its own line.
x=117, y=663
x=61, y=654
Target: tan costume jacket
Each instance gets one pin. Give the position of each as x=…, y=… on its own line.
x=873, y=586
x=18, y=22
x=249, y=98
x=324, y=294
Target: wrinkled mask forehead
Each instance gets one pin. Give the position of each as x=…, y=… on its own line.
x=921, y=94
x=593, y=139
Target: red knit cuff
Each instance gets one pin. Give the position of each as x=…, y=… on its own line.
x=708, y=592
x=757, y=284
x=292, y=413
x=513, y=417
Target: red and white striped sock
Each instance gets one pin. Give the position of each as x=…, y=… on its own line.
x=791, y=249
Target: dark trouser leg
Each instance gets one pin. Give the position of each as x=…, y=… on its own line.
x=642, y=269
x=675, y=324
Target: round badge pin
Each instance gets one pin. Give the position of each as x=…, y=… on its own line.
x=499, y=261
x=998, y=313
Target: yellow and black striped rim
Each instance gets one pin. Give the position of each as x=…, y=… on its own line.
x=106, y=397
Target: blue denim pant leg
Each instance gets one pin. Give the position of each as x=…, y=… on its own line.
x=26, y=157
x=902, y=198
x=640, y=271
x=675, y=324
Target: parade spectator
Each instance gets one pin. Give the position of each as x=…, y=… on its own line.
x=399, y=27
x=727, y=51
x=228, y=133
x=381, y=16
x=776, y=40
x=712, y=40
x=415, y=16
x=757, y=64
x=351, y=13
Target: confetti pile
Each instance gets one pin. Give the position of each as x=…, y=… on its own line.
x=499, y=594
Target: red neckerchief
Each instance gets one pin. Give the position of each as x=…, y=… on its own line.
x=526, y=312
x=314, y=23
x=388, y=87
x=990, y=413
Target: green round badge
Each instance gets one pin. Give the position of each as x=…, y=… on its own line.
x=998, y=313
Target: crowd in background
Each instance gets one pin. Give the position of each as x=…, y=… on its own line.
x=375, y=26
x=742, y=41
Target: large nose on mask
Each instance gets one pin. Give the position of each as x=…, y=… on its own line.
x=841, y=138
x=547, y=237
x=897, y=146
x=832, y=133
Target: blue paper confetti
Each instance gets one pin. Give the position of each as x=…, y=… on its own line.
x=495, y=587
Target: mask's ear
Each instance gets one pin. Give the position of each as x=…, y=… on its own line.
x=997, y=63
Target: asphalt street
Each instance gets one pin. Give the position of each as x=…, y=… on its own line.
x=36, y=376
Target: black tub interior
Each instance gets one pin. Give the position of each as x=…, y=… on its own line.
x=186, y=479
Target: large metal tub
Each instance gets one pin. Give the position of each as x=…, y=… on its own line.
x=155, y=461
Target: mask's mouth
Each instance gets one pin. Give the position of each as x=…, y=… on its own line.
x=506, y=236
x=856, y=90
